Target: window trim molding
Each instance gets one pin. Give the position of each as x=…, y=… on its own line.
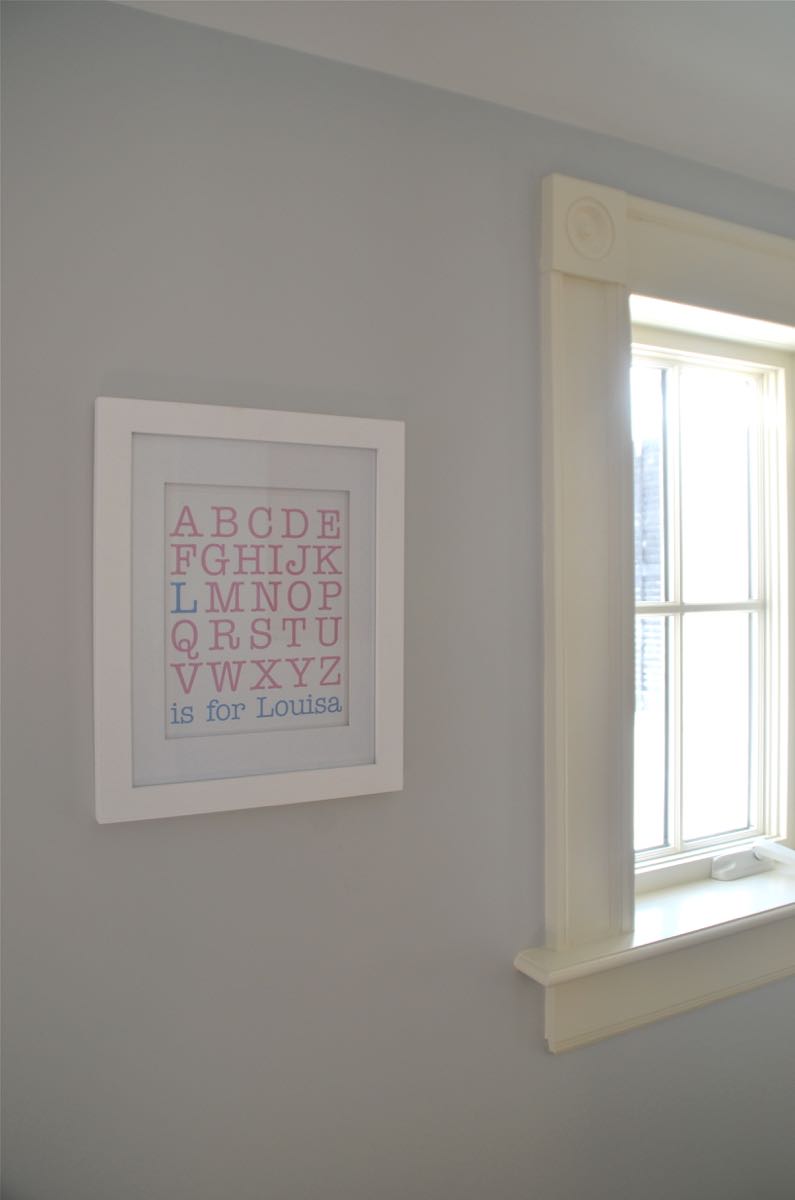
x=630, y=988
x=599, y=245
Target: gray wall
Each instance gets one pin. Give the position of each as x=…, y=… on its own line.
x=314, y=1003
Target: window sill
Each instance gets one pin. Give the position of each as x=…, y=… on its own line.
x=692, y=944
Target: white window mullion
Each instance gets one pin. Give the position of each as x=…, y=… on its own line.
x=674, y=595
x=773, y=580
x=650, y=609
x=675, y=738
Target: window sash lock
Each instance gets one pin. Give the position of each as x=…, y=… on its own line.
x=764, y=856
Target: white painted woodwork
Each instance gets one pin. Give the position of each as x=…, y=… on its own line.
x=598, y=246
x=693, y=259
x=691, y=945
x=587, y=475
x=600, y=1005
x=584, y=230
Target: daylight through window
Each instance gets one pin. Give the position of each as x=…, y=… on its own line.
x=710, y=636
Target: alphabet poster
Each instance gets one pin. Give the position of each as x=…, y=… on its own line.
x=256, y=609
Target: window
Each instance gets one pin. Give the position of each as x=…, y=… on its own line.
x=709, y=450
x=625, y=947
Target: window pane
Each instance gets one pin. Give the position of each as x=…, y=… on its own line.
x=651, y=656
x=718, y=792
x=716, y=429
x=647, y=438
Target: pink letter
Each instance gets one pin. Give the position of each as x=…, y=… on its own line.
x=224, y=630
x=222, y=562
x=226, y=673
x=323, y=555
x=185, y=643
x=193, y=668
x=299, y=674
x=219, y=603
x=292, y=566
x=265, y=666
x=335, y=624
x=266, y=532
x=269, y=592
x=299, y=583
x=329, y=590
x=288, y=523
x=185, y=518
x=229, y=519
x=183, y=553
x=252, y=558
x=334, y=661
x=260, y=628
x=329, y=523
x=292, y=623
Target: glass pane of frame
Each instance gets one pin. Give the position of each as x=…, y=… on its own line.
x=651, y=733
x=719, y=650
x=717, y=420
x=648, y=438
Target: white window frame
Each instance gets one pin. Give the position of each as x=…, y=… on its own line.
x=609, y=964
x=666, y=348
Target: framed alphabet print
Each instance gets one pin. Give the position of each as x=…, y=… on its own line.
x=248, y=608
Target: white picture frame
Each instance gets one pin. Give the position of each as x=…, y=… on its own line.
x=248, y=608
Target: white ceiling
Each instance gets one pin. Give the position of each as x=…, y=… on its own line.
x=712, y=80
